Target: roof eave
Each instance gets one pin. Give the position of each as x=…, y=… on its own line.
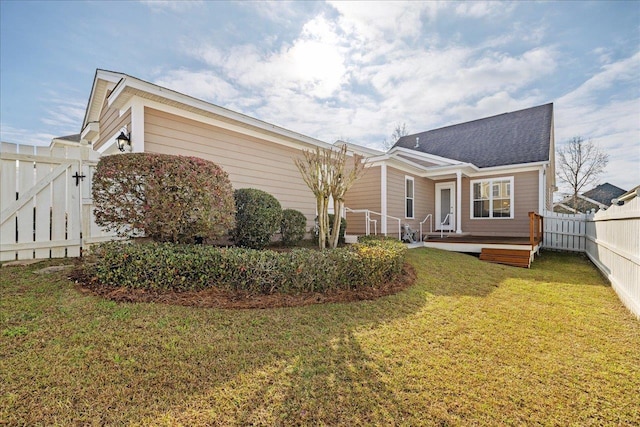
x=120, y=96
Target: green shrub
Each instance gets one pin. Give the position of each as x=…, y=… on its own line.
x=258, y=217
x=167, y=198
x=166, y=266
x=292, y=227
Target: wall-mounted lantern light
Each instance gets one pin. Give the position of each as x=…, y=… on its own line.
x=124, y=140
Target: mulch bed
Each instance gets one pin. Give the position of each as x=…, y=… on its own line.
x=216, y=298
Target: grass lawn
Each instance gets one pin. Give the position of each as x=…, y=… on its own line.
x=470, y=343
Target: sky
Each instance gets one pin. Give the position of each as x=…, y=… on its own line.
x=336, y=70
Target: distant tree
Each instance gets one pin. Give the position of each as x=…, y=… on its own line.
x=579, y=164
x=398, y=132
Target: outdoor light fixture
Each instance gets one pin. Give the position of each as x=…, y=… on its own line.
x=124, y=140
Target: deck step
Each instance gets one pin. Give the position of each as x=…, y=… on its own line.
x=514, y=257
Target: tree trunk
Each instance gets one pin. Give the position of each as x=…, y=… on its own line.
x=337, y=220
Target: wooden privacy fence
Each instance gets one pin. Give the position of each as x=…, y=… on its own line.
x=45, y=201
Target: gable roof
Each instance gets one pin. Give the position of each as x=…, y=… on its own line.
x=604, y=193
x=518, y=137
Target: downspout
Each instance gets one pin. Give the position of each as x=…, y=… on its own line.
x=459, y=202
x=542, y=190
x=383, y=198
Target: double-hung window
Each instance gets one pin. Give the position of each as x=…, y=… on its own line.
x=408, y=191
x=492, y=198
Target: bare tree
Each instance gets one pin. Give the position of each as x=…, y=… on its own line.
x=323, y=170
x=579, y=164
x=398, y=132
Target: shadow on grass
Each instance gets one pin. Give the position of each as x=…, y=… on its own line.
x=86, y=360
x=445, y=273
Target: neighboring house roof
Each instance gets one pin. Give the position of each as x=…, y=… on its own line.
x=604, y=193
x=631, y=194
x=67, y=140
x=71, y=138
x=518, y=137
x=599, y=197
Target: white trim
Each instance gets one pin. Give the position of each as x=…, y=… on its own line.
x=541, y=190
x=408, y=178
x=383, y=197
x=439, y=186
x=491, y=181
x=137, y=125
x=459, y=202
x=128, y=86
x=443, y=161
x=169, y=109
x=110, y=78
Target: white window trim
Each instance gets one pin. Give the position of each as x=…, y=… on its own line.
x=491, y=180
x=413, y=199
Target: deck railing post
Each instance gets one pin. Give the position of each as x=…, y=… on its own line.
x=531, y=229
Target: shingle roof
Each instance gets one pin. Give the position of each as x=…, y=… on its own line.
x=72, y=138
x=522, y=136
x=603, y=193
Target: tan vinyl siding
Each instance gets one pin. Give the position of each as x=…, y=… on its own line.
x=525, y=194
x=364, y=194
x=110, y=124
x=250, y=162
x=423, y=201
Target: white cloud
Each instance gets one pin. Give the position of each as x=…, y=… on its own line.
x=611, y=121
x=367, y=21
x=199, y=84
x=25, y=136
x=171, y=5
x=314, y=63
x=357, y=75
x=480, y=9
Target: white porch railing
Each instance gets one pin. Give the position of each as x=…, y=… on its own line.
x=368, y=220
x=444, y=221
x=430, y=218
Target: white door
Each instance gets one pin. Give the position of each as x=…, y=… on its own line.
x=445, y=206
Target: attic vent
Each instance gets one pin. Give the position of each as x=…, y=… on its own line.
x=417, y=142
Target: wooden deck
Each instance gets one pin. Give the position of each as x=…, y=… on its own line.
x=516, y=251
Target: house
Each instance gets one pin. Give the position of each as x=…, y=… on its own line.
x=481, y=177
x=254, y=153
x=597, y=198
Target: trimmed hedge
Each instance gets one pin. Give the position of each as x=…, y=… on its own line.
x=167, y=198
x=292, y=227
x=258, y=218
x=166, y=266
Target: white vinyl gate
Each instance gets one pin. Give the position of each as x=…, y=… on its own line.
x=45, y=201
x=565, y=232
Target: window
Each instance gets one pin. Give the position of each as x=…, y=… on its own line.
x=492, y=198
x=408, y=190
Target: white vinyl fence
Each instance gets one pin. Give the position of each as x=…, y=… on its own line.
x=613, y=244
x=45, y=201
x=565, y=232
x=610, y=238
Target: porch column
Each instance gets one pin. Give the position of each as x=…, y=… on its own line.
x=459, y=202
